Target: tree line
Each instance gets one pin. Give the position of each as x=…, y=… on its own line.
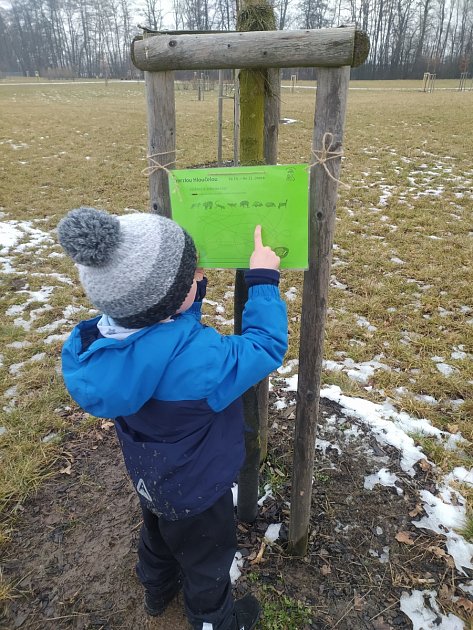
x=91, y=38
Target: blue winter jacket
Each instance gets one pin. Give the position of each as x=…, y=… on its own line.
x=174, y=392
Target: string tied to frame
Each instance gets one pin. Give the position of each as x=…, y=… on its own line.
x=323, y=155
x=156, y=166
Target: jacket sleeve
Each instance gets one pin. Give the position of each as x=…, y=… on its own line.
x=240, y=361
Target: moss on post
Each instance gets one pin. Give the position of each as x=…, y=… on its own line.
x=361, y=48
x=252, y=116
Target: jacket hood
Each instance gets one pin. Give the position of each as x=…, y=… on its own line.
x=116, y=377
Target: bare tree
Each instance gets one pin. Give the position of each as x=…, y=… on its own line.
x=313, y=13
x=153, y=14
x=92, y=37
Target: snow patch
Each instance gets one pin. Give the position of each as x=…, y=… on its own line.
x=364, y=323
x=15, y=368
x=459, y=473
x=53, y=338
x=446, y=513
x=388, y=425
x=383, y=478
x=467, y=587
x=445, y=369
x=19, y=344
x=360, y=372
x=9, y=235
x=280, y=404
x=223, y=321
x=423, y=611
x=288, y=366
x=291, y=294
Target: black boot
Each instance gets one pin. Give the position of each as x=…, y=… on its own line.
x=155, y=605
x=246, y=613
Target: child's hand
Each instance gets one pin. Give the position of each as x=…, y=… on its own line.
x=263, y=257
x=199, y=274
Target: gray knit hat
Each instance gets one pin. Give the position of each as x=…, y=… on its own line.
x=137, y=268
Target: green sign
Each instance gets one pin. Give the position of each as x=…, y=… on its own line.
x=220, y=208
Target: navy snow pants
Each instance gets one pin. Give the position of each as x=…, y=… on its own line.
x=201, y=550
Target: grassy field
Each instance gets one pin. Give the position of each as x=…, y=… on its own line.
x=401, y=301
x=393, y=84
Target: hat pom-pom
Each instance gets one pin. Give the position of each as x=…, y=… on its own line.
x=89, y=236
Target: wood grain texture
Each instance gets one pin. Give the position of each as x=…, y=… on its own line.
x=272, y=102
x=327, y=47
x=161, y=137
x=220, y=119
x=236, y=119
x=332, y=92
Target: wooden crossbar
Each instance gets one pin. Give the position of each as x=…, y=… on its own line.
x=326, y=47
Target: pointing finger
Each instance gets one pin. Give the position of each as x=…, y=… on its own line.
x=258, y=239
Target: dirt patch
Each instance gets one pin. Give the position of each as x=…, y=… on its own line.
x=74, y=553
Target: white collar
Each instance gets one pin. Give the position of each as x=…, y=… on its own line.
x=111, y=330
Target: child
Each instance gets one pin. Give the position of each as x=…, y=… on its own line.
x=173, y=387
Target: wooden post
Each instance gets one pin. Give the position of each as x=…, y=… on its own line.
x=252, y=88
x=220, y=118
x=271, y=115
x=272, y=102
x=201, y=87
x=247, y=484
x=426, y=81
x=331, y=99
x=161, y=137
x=236, y=119
x=253, y=84
x=252, y=94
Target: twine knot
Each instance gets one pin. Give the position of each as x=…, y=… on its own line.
x=323, y=155
x=156, y=166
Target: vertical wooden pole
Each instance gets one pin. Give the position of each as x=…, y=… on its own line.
x=272, y=102
x=220, y=118
x=236, y=119
x=252, y=97
x=161, y=137
x=332, y=92
x=248, y=477
x=272, y=108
